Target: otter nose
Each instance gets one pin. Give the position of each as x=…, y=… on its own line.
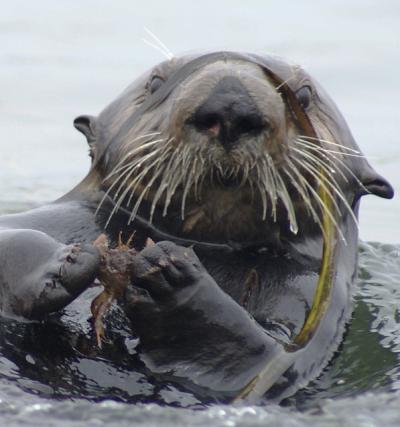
x=228, y=113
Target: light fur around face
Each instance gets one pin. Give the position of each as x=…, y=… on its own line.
x=267, y=184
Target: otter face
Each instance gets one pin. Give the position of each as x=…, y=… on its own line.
x=228, y=146
x=231, y=129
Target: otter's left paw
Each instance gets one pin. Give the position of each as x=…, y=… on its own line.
x=187, y=325
x=163, y=276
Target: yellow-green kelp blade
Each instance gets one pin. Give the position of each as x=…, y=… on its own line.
x=283, y=358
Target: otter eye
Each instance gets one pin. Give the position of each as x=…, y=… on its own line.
x=155, y=83
x=304, y=96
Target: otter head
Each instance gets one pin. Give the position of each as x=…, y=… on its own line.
x=229, y=147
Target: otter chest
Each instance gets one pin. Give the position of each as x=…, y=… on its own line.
x=276, y=290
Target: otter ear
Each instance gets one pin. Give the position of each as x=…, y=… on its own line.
x=86, y=125
x=375, y=184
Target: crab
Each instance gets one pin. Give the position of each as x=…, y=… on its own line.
x=114, y=275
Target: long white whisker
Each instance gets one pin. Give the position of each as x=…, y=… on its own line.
x=323, y=205
x=271, y=171
x=305, y=137
x=294, y=74
x=133, y=184
x=335, y=189
x=287, y=201
x=189, y=182
x=143, y=193
x=330, y=168
x=134, y=163
x=112, y=185
x=263, y=195
x=320, y=176
x=302, y=191
x=174, y=181
x=333, y=183
x=321, y=182
x=336, y=159
x=196, y=178
x=325, y=150
x=136, y=182
x=319, y=163
x=135, y=166
x=263, y=177
x=131, y=153
x=163, y=185
x=302, y=180
x=161, y=45
x=149, y=43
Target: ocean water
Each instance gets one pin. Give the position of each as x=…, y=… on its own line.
x=61, y=59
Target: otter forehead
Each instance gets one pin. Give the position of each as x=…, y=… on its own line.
x=212, y=72
x=216, y=61
x=236, y=79
x=182, y=83
x=225, y=100
x=185, y=70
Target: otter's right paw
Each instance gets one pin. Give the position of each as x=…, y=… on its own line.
x=40, y=275
x=70, y=272
x=79, y=267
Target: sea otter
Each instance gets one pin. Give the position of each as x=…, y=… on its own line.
x=245, y=175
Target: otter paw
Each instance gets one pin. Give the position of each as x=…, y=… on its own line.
x=163, y=275
x=165, y=268
x=79, y=265
x=71, y=270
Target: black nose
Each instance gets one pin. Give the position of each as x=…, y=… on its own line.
x=228, y=113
